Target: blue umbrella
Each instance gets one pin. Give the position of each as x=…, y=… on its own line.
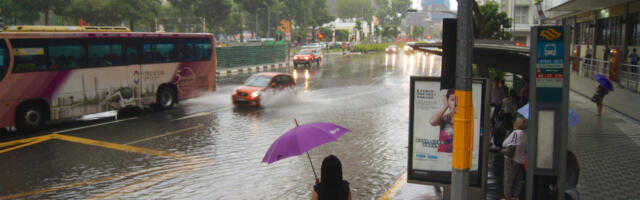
x=573, y=117
x=604, y=82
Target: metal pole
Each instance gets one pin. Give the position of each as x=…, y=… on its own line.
x=463, y=119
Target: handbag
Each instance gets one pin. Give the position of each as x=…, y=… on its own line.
x=595, y=98
x=510, y=151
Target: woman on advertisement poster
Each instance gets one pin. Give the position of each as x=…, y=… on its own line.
x=445, y=121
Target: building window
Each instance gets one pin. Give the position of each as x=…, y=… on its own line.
x=521, y=15
x=610, y=31
x=635, y=30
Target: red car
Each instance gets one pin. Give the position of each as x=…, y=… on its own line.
x=250, y=92
x=306, y=57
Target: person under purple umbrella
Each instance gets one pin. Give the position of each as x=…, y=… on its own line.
x=331, y=186
x=604, y=86
x=598, y=97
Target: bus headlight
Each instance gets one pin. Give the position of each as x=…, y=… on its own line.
x=255, y=94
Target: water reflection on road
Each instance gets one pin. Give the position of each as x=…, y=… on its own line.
x=223, y=146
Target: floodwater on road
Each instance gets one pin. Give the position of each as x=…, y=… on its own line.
x=205, y=148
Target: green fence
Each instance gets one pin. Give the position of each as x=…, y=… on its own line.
x=250, y=55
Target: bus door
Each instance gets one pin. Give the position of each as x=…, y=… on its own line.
x=132, y=52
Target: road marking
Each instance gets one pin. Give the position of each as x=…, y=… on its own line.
x=97, y=180
x=21, y=141
x=201, y=114
x=40, y=139
x=95, y=125
x=150, y=181
x=166, y=134
x=120, y=147
x=391, y=192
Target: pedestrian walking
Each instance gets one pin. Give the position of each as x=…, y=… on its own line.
x=331, y=185
x=515, y=147
x=598, y=97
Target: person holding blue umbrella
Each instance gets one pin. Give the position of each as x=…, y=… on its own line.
x=604, y=86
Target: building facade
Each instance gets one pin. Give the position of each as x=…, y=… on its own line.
x=523, y=14
x=599, y=25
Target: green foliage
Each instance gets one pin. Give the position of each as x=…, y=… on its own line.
x=490, y=23
x=361, y=9
x=327, y=32
x=18, y=12
x=369, y=47
x=418, y=32
x=390, y=32
x=342, y=35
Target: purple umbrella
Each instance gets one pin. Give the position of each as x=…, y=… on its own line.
x=301, y=139
x=604, y=82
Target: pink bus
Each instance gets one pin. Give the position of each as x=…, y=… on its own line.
x=56, y=75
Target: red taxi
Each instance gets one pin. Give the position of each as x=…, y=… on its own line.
x=306, y=57
x=250, y=92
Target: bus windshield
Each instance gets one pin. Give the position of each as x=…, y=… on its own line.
x=258, y=81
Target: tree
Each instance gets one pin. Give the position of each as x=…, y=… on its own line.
x=46, y=6
x=136, y=10
x=96, y=12
x=361, y=9
x=327, y=32
x=17, y=11
x=184, y=6
x=490, y=23
x=215, y=11
x=320, y=15
x=418, y=32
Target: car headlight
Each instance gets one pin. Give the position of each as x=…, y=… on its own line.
x=255, y=94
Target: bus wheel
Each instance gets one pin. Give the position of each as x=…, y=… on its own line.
x=30, y=117
x=166, y=98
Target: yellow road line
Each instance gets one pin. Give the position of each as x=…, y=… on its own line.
x=97, y=180
x=395, y=187
x=201, y=114
x=21, y=141
x=166, y=134
x=120, y=147
x=40, y=139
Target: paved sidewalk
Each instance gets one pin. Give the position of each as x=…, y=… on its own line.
x=608, y=149
x=620, y=99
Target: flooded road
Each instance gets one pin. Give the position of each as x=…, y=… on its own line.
x=205, y=148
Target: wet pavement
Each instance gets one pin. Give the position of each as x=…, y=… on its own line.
x=207, y=149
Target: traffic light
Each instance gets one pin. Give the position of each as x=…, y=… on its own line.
x=320, y=36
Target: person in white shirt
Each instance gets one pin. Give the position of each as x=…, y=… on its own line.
x=514, y=164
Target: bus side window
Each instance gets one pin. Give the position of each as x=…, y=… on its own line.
x=147, y=54
x=133, y=53
x=164, y=51
x=104, y=53
x=64, y=54
x=203, y=49
x=4, y=59
x=29, y=55
x=188, y=53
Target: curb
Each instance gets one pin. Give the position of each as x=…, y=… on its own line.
x=251, y=68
